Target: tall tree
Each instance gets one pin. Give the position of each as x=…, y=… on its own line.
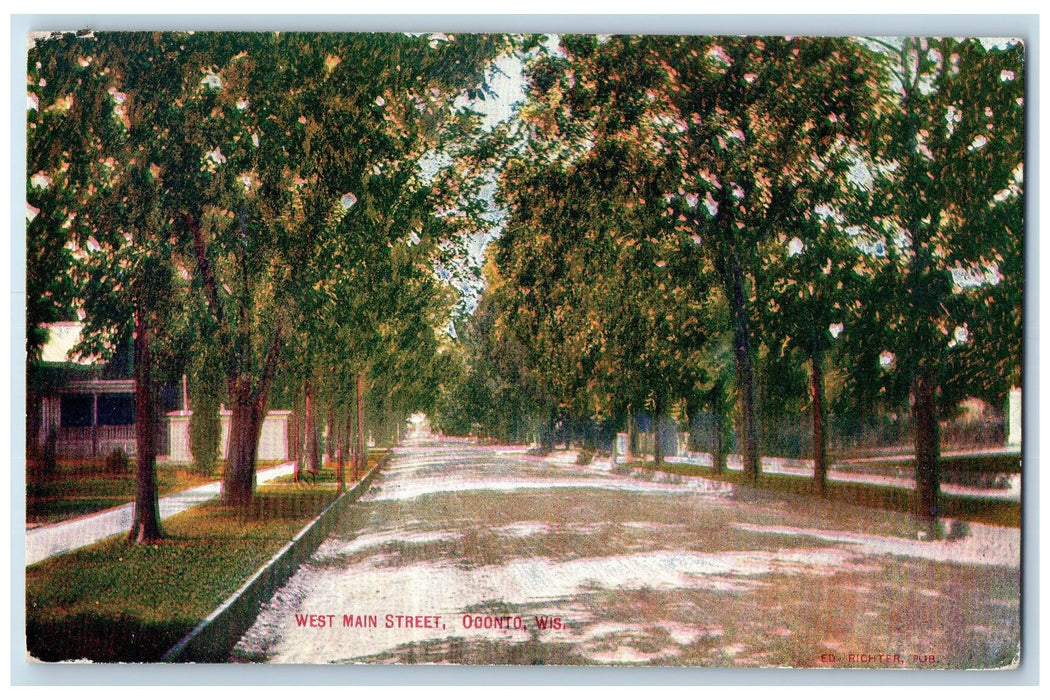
x=757, y=126
x=949, y=158
x=814, y=287
x=98, y=137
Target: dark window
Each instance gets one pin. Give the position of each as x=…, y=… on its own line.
x=77, y=411
x=171, y=397
x=116, y=409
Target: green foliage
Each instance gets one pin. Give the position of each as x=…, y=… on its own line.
x=490, y=392
x=254, y=198
x=688, y=223
x=689, y=213
x=946, y=223
x=206, y=394
x=653, y=177
x=205, y=432
x=117, y=462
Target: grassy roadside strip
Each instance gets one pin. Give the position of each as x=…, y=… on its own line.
x=328, y=473
x=981, y=510
x=959, y=464
x=82, y=488
x=118, y=602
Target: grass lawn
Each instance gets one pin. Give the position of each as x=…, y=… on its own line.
x=328, y=473
x=115, y=601
x=982, y=510
x=980, y=464
x=83, y=487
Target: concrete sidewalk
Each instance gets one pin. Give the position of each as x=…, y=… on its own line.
x=68, y=535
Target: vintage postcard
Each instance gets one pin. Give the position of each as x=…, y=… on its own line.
x=518, y=349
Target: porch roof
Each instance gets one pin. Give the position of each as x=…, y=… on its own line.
x=99, y=386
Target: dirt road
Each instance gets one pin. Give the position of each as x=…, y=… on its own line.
x=463, y=554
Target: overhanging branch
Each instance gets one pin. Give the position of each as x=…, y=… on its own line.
x=211, y=290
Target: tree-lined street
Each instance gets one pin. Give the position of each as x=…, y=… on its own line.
x=749, y=308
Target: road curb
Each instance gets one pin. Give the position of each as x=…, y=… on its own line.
x=212, y=640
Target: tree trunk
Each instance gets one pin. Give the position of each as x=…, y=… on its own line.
x=238, y=485
x=145, y=525
x=248, y=410
x=927, y=447
x=344, y=450
x=361, y=461
x=692, y=409
x=718, y=446
x=722, y=428
x=335, y=444
x=329, y=441
x=820, y=446
x=313, y=452
x=551, y=422
x=630, y=435
x=658, y=448
x=297, y=441
x=743, y=356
